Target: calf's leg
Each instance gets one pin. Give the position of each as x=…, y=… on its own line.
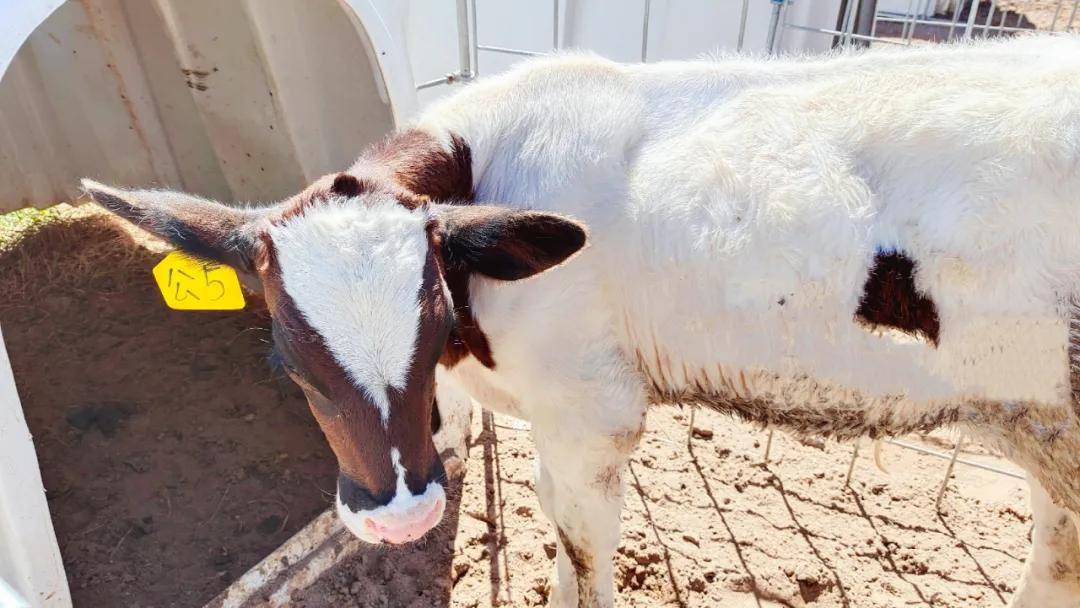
x=1052, y=574
x=580, y=486
x=454, y=419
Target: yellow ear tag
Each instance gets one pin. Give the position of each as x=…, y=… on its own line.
x=189, y=283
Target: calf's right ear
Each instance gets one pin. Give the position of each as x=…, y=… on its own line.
x=201, y=227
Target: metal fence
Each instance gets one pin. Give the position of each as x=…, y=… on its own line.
x=906, y=22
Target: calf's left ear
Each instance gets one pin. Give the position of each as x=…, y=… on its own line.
x=507, y=244
x=196, y=225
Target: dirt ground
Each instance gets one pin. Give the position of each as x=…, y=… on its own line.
x=712, y=526
x=173, y=459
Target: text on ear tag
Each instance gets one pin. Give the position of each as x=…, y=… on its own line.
x=189, y=283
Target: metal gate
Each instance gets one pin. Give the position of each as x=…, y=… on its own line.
x=907, y=22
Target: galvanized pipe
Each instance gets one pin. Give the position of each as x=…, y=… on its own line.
x=774, y=24
x=645, y=32
x=742, y=24
x=973, y=11
x=465, y=67
x=509, y=51
x=555, y=26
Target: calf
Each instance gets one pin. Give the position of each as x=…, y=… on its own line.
x=861, y=245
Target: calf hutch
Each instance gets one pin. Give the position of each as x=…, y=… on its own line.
x=866, y=245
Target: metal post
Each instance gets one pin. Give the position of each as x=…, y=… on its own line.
x=645, y=32
x=948, y=473
x=768, y=446
x=867, y=17
x=474, y=43
x=989, y=18
x=464, y=47
x=1057, y=13
x=847, y=23
x=774, y=23
x=742, y=24
x=973, y=11
x=955, y=19
x=851, y=465
x=909, y=14
x=555, y=26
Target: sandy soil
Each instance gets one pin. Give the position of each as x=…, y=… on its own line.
x=713, y=526
x=172, y=457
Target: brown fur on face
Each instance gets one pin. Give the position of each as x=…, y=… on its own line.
x=348, y=417
x=414, y=167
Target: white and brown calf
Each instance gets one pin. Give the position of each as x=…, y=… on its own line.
x=868, y=244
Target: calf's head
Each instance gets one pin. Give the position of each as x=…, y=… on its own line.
x=355, y=277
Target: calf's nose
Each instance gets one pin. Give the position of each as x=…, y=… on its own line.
x=408, y=525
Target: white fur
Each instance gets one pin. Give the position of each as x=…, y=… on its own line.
x=715, y=190
x=403, y=501
x=1052, y=573
x=354, y=270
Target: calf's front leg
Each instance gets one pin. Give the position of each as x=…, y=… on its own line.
x=1052, y=573
x=451, y=422
x=579, y=481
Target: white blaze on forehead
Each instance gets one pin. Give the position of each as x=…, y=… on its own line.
x=354, y=271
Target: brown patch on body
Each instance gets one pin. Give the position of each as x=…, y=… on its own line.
x=627, y=441
x=581, y=561
x=1074, y=355
x=609, y=481
x=891, y=299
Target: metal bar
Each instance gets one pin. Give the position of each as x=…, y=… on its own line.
x=849, y=26
x=873, y=27
x=973, y=11
x=742, y=24
x=851, y=465
x=835, y=33
x=940, y=23
x=502, y=49
x=555, y=25
x=1057, y=13
x=948, y=473
x=945, y=456
x=464, y=48
x=989, y=18
x=474, y=42
x=768, y=446
x=844, y=23
x=955, y=19
x=783, y=23
x=864, y=23
x=645, y=32
x=774, y=24
x=1072, y=15
x=434, y=83
x=908, y=20
x=923, y=7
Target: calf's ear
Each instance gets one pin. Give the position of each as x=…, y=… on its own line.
x=196, y=225
x=507, y=244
